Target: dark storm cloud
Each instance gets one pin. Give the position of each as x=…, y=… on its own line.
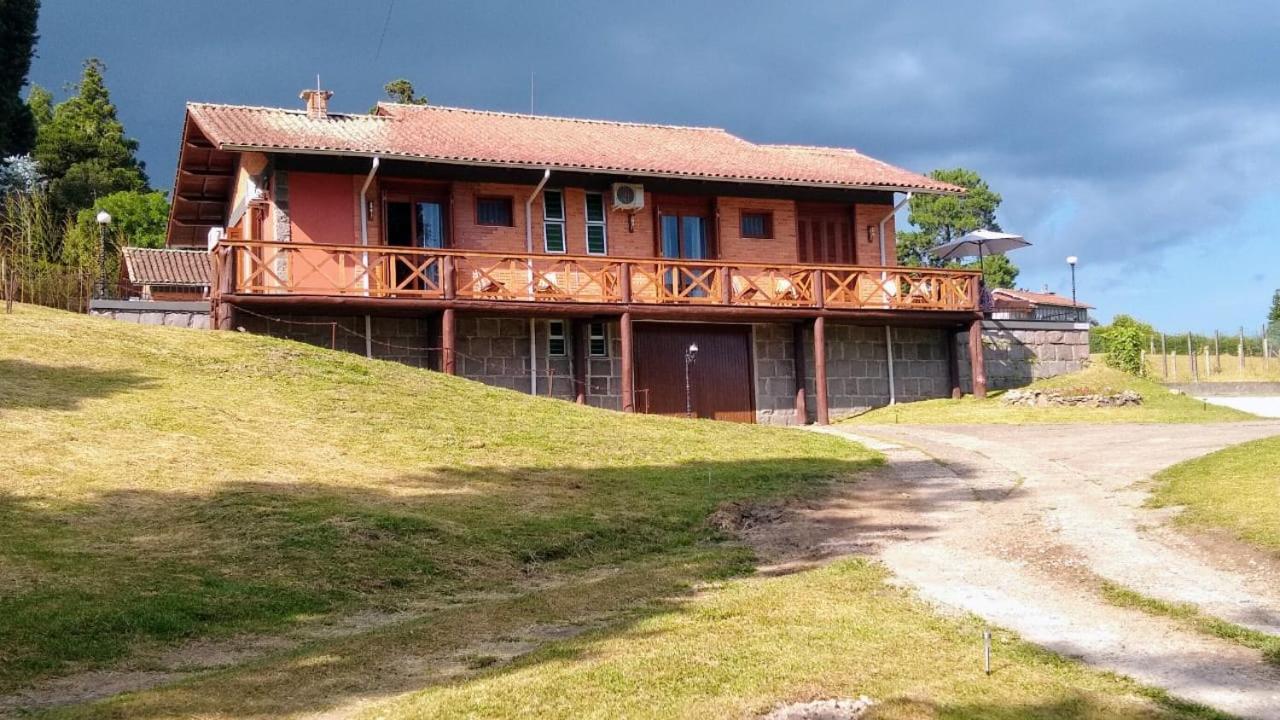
x=1114, y=130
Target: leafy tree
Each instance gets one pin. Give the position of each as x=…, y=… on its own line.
x=138, y=219
x=401, y=91
x=40, y=103
x=82, y=148
x=939, y=219
x=17, y=47
x=1273, y=317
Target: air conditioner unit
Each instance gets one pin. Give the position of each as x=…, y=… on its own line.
x=628, y=196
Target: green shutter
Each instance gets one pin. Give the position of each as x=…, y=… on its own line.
x=554, y=205
x=595, y=207
x=595, y=239
x=555, y=236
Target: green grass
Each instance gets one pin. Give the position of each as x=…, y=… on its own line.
x=164, y=484
x=1191, y=617
x=1158, y=405
x=734, y=651
x=1236, y=489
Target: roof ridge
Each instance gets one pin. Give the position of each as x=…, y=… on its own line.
x=824, y=148
x=287, y=111
x=560, y=118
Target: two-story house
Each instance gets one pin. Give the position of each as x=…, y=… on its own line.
x=644, y=268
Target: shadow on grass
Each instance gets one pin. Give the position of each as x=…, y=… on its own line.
x=486, y=562
x=46, y=387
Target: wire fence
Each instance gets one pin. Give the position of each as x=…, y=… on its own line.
x=1220, y=357
x=49, y=284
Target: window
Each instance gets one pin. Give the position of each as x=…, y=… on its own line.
x=757, y=224
x=494, y=211
x=597, y=242
x=598, y=340
x=555, y=338
x=553, y=220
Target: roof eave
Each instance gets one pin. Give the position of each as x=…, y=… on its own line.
x=234, y=147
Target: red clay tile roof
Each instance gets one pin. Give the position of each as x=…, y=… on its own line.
x=149, y=266
x=476, y=137
x=1035, y=298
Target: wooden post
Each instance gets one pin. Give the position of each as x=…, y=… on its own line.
x=628, y=356
x=624, y=282
x=1191, y=358
x=725, y=275
x=953, y=363
x=820, y=369
x=448, y=342
x=1240, y=348
x=1164, y=353
x=1174, y=377
x=1217, y=354
x=801, y=370
x=976, y=361
x=447, y=280
x=580, y=329
x=1208, y=365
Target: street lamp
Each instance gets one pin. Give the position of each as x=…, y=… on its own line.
x=104, y=219
x=1072, y=260
x=690, y=356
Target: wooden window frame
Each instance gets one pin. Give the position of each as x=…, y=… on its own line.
x=553, y=335
x=547, y=220
x=592, y=337
x=767, y=215
x=511, y=210
x=602, y=223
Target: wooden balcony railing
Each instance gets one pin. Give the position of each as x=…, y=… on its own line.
x=262, y=268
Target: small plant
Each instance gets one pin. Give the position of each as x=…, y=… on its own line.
x=1124, y=348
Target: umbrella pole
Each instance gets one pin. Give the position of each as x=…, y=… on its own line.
x=982, y=262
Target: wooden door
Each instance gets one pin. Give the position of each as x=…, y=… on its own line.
x=824, y=234
x=719, y=384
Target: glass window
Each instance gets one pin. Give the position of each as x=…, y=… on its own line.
x=494, y=211
x=757, y=224
x=555, y=338
x=597, y=234
x=598, y=340
x=553, y=221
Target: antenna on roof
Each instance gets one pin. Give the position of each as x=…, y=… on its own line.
x=317, y=82
x=530, y=92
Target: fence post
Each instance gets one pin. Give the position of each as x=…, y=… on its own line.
x=1217, y=353
x=1240, y=348
x=1191, y=358
x=1164, y=353
x=1175, y=366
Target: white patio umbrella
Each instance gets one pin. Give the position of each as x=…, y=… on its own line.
x=979, y=244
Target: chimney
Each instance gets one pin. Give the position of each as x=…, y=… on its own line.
x=317, y=102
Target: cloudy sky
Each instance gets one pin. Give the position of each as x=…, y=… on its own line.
x=1143, y=137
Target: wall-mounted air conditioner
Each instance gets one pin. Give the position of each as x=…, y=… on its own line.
x=628, y=196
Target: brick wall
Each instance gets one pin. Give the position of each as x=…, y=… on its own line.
x=781, y=248
x=866, y=243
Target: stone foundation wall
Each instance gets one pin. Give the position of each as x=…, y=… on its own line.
x=1018, y=352
x=857, y=369
x=145, y=312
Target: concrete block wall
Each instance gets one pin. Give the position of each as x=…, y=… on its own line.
x=149, y=312
x=1017, y=353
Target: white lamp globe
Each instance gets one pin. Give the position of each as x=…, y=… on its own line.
x=1072, y=259
x=104, y=217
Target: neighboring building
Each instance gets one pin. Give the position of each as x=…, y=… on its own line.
x=579, y=259
x=1032, y=335
x=1008, y=304
x=166, y=274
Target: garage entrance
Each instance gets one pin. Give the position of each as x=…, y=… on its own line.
x=720, y=379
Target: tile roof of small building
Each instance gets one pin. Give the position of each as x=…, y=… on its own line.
x=1038, y=298
x=477, y=137
x=149, y=266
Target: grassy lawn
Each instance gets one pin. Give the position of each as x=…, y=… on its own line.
x=165, y=484
x=733, y=651
x=1158, y=405
x=1236, y=489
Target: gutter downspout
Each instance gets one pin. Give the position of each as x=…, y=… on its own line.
x=364, y=241
x=528, y=248
x=888, y=331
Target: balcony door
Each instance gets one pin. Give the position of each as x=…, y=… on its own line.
x=684, y=228
x=824, y=234
x=415, y=221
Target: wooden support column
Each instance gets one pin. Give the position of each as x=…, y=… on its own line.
x=820, y=369
x=798, y=355
x=448, y=342
x=953, y=363
x=976, y=363
x=579, y=331
x=628, y=372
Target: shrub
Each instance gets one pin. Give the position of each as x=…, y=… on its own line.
x=1124, y=348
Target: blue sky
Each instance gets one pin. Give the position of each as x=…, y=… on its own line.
x=1143, y=137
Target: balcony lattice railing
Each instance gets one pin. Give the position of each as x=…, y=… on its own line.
x=379, y=271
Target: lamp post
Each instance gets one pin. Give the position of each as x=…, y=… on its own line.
x=104, y=219
x=1072, y=260
x=690, y=356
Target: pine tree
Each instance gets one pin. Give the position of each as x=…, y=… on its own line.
x=1273, y=317
x=942, y=218
x=82, y=148
x=17, y=46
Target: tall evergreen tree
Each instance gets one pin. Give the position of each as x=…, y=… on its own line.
x=1273, y=317
x=82, y=148
x=942, y=218
x=17, y=47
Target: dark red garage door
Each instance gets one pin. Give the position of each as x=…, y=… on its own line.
x=719, y=385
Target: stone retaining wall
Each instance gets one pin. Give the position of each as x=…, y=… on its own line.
x=1017, y=353
x=147, y=312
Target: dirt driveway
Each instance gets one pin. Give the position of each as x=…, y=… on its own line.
x=1022, y=525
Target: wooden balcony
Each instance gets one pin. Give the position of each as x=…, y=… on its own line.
x=382, y=276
